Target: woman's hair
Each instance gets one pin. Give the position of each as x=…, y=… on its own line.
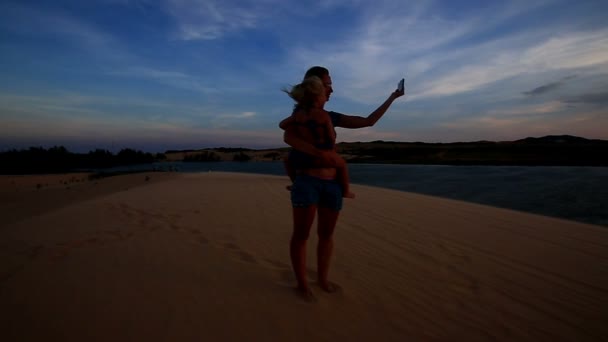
x=305, y=94
x=318, y=71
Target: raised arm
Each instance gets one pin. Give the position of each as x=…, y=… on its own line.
x=353, y=121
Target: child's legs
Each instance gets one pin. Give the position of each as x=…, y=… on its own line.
x=343, y=178
x=289, y=168
x=344, y=181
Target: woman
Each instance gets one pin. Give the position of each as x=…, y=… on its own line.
x=315, y=191
x=313, y=125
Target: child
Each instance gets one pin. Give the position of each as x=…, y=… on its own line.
x=314, y=126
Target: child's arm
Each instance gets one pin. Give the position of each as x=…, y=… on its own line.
x=329, y=158
x=287, y=122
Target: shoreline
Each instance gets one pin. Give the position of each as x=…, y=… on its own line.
x=562, y=192
x=74, y=181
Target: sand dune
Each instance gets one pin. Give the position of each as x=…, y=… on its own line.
x=191, y=257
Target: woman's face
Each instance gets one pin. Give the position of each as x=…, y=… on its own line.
x=328, y=87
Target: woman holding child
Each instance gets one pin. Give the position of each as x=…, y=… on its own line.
x=319, y=175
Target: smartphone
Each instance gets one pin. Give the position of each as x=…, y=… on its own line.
x=401, y=84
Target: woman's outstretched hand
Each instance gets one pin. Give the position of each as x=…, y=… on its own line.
x=397, y=93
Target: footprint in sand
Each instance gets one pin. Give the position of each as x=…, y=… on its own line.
x=198, y=236
x=287, y=276
x=202, y=240
x=244, y=256
x=461, y=281
x=230, y=245
x=455, y=252
x=63, y=249
x=119, y=235
x=152, y=222
x=277, y=264
x=125, y=210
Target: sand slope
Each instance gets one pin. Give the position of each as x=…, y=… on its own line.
x=191, y=257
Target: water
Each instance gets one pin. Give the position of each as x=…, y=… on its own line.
x=573, y=193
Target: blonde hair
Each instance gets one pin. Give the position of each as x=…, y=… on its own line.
x=306, y=93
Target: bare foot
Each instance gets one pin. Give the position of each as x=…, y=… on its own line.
x=349, y=194
x=330, y=287
x=306, y=294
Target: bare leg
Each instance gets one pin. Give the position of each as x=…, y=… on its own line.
x=327, y=224
x=344, y=180
x=302, y=222
x=291, y=171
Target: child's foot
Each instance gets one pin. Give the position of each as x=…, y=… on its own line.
x=306, y=294
x=289, y=187
x=330, y=287
x=349, y=194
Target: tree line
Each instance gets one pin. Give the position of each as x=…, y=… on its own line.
x=58, y=159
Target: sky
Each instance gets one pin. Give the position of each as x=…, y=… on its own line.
x=157, y=75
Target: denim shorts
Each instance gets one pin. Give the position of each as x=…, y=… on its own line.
x=308, y=190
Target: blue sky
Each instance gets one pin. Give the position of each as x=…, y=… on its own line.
x=180, y=74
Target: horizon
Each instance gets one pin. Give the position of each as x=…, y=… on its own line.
x=193, y=149
x=174, y=75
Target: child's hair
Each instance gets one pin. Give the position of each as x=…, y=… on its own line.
x=305, y=93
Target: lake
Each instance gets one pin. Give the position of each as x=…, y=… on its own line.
x=573, y=193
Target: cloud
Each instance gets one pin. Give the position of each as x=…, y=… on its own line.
x=438, y=52
x=130, y=133
x=216, y=19
x=508, y=118
x=508, y=57
x=587, y=124
x=60, y=24
x=85, y=120
x=170, y=78
x=247, y=114
x=233, y=120
x=548, y=87
x=62, y=107
x=543, y=89
x=242, y=115
x=208, y=20
x=443, y=55
x=380, y=47
x=527, y=110
x=598, y=98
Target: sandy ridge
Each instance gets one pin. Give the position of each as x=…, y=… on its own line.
x=204, y=256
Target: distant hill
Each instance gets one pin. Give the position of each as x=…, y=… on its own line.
x=548, y=150
x=226, y=154
x=559, y=139
x=556, y=150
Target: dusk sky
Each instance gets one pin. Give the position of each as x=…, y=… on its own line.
x=185, y=74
